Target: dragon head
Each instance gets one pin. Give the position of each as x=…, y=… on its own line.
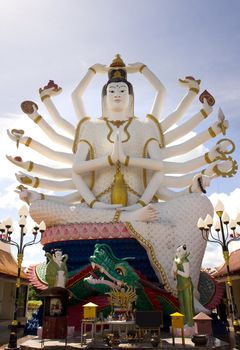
x=110, y=271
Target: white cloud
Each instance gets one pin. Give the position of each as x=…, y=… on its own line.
x=231, y=201
x=8, y=198
x=213, y=256
x=33, y=255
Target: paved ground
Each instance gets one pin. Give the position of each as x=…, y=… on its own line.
x=75, y=344
x=4, y=337
x=32, y=342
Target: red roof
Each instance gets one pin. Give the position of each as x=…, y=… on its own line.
x=8, y=265
x=202, y=316
x=234, y=265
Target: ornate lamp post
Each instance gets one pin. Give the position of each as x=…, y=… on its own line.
x=222, y=233
x=6, y=231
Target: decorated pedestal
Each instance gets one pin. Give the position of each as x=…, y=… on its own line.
x=108, y=260
x=106, y=257
x=55, y=313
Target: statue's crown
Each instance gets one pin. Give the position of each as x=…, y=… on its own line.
x=117, y=62
x=118, y=70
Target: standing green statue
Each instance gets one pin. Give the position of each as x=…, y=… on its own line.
x=56, y=270
x=181, y=273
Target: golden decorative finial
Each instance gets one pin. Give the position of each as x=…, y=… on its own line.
x=118, y=68
x=117, y=62
x=117, y=74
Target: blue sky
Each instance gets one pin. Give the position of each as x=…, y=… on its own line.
x=60, y=39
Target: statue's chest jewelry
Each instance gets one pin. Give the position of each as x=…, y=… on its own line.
x=113, y=125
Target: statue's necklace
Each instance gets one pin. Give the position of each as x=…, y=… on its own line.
x=119, y=193
x=118, y=123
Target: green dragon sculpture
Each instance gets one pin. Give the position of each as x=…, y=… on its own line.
x=115, y=272
x=108, y=273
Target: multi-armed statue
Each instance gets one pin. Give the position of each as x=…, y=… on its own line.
x=118, y=168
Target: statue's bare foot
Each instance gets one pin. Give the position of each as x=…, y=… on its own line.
x=148, y=213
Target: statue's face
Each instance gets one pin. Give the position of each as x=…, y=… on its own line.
x=181, y=251
x=58, y=254
x=117, y=98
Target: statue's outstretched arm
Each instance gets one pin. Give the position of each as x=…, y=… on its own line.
x=185, y=147
x=166, y=194
x=171, y=119
x=33, y=181
x=196, y=182
x=80, y=89
x=185, y=128
x=156, y=84
x=184, y=167
x=226, y=166
x=40, y=148
x=30, y=196
x=41, y=169
x=178, y=181
x=45, y=94
x=48, y=130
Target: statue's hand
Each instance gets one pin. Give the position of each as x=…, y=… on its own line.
x=17, y=136
x=135, y=67
x=207, y=108
x=220, y=126
x=225, y=168
x=34, y=112
x=121, y=153
x=51, y=89
x=223, y=123
x=115, y=150
x=101, y=205
x=18, y=161
x=190, y=83
x=26, y=179
x=100, y=68
x=28, y=196
x=220, y=150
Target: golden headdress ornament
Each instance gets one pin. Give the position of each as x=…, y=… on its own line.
x=118, y=70
x=117, y=62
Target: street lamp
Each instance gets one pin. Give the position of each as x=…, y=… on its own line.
x=222, y=236
x=6, y=230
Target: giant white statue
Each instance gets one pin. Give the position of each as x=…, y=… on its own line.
x=118, y=167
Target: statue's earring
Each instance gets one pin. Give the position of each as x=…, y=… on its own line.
x=104, y=109
x=131, y=106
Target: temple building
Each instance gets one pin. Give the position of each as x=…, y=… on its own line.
x=221, y=276
x=8, y=274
